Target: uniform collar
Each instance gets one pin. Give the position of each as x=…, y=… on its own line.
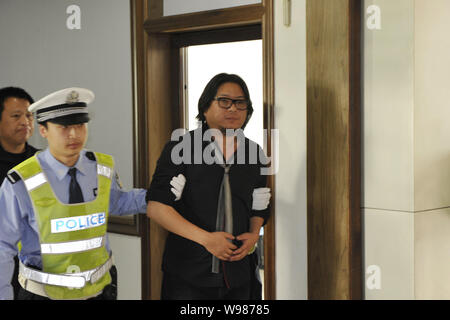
x=62, y=170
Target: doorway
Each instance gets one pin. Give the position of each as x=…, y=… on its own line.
x=244, y=58
x=166, y=56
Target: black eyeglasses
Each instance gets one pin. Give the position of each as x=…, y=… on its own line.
x=226, y=103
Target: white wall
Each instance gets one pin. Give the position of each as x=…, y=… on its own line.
x=42, y=55
x=388, y=149
x=290, y=119
x=127, y=258
x=173, y=7
x=432, y=149
x=407, y=149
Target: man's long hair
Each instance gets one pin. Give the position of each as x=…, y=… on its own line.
x=210, y=92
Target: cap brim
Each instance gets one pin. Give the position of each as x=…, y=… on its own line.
x=71, y=119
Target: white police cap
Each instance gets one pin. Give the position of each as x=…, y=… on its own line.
x=67, y=106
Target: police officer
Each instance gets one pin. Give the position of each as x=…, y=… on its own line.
x=57, y=204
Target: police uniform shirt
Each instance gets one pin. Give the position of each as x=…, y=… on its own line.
x=18, y=222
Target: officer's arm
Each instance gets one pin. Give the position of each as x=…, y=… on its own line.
x=126, y=202
x=9, y=237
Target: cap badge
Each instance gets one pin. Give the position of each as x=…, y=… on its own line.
x=72, y=97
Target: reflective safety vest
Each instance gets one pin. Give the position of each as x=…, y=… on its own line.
x=75, y=262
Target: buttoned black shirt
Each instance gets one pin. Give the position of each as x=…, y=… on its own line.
x=185, y=258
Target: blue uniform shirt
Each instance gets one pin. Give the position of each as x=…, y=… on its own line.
x=18, y=222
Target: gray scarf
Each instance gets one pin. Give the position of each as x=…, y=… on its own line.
x=224, y=220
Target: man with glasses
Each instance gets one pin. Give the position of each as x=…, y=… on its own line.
x=214, y=227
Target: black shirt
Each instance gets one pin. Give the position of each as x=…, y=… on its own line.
x=183, y=257
x=10, y=160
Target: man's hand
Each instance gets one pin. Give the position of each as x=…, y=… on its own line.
x=178, y=183
x=219, y=244
x=249, y=240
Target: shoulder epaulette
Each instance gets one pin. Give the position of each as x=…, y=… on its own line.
x=90, y=155
x=13, y=177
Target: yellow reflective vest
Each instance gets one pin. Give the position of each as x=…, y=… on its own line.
x=75, y=261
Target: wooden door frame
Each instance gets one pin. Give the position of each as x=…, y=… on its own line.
x=335, y=268
x=139, y=13
x=155, y=76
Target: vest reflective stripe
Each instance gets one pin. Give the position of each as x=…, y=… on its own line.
x=72, y=246
x=75, y=280
x=100, y=272
x=104, y=171
x=39, y=179
x=52, y=279
x=35, y=181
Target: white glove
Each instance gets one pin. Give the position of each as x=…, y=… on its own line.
x=178, y=183
x=261, y=198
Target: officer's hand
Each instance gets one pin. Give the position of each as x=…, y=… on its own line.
x=178, y=183
x=219, y=244
x=261, y=198
x=249, y=240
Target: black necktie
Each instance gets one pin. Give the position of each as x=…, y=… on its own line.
x=75, y=195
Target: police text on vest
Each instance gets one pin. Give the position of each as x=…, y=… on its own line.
x=78, y=223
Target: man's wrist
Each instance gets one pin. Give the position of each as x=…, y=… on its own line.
x=203, y=238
